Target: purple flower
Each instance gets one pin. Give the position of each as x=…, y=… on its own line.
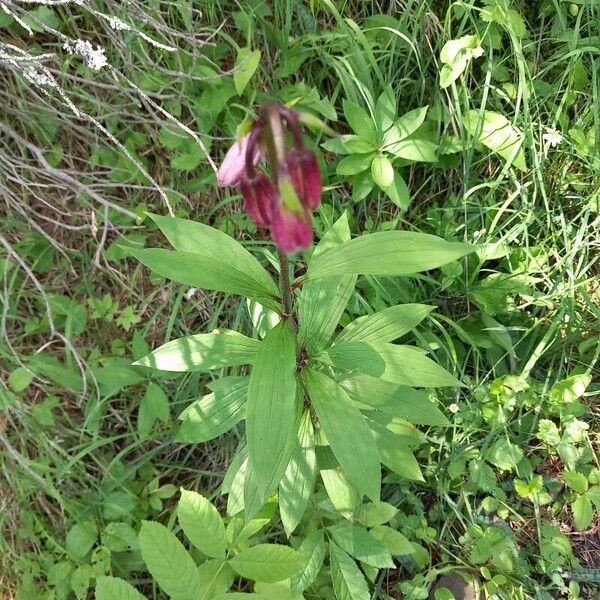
x=260, y=196
x=306, y=177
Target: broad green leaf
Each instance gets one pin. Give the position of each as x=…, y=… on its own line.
x=272, y=409
x=203, y=352
x=81, y=538
x=497, y=133
x=394, y=454
x=216, y=413
x=386, y=325
x=409, y=122
x=414, y=149
x=354, y=164
x=322, y=303
x=202, y=524
x=583, y=513
x=267, y=562
x=382, y=171
x=398, y=192
x=360, y=121
x=393, y=540
x=20, y=379
x=455, y=56
x=216, y=576
x=246, y=64
x=576, y=481
x=348, y=582
x=169, y=562
x=213, y=245
x=357, y=542
x=154, y=405
x=204, y=271
x=113, y=588
x=312, y=550
x=280, y=590
x=347, y=433
x=404, y=365
x=406, y=433
x=385, y=110
x=298, y=481
x=399, y=401
x=392, y=253
x=235, y=491
x=505, y=455
x=343, y=496
x=372, y=514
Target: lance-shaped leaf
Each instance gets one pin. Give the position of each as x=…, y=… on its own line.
x=347, y=433
x=397, y=400
x=357, y=542
x=267, y=562
x=387, y=253
x=404, y=365
x=216, y=413
x=386, y=325
x=298, y=481
x=272, y=410
x=113, y=588
x=323, y=302
x=203, y=352
x=348, y=582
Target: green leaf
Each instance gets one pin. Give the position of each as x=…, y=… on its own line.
x=202, y=524
x=347, y=433
x=414, y=149
x=576, y=481
x=343, y=496
x=348, y=582
x=375, y=513
x=298, y=481
x=216, y=413
x=392, y=253
x=272, y=410
x=322, y=303
x=154, y=405
x=394, y=453
x=400, y=401
x=393, y=540
x=267, y=562
x=246, y=64
x=403, y=365
x=203, y=352
x=354, y=164
x=216, y=576
x=505, y=455
x=360, y=121
x=80, y=539
x=497, y=133
x=382, y=171
x=20, y=379
x=398, y=192
x=312, y=550
x=357, y=542
x=212, y=245
x=455, y=57
x=386, y=325
x=204, y=271
x=583, y=513
x=113, y=588
x=385, y=110
x=409, y=122
x=169, y=562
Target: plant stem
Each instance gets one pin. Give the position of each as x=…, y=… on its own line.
x=284, y=285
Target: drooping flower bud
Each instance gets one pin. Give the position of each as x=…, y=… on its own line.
x=260, y=196
x=232, y=169
x=306, y=176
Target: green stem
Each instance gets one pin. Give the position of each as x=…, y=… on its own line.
x=284, y=285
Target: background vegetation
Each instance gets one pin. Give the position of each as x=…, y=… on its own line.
x=508, y=493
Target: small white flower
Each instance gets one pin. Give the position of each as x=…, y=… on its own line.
x=453, y=408
x=552, y=137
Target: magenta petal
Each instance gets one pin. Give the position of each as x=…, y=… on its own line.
x=259, y=197
x=233, y=166
x=306, y=177
x=291, y=231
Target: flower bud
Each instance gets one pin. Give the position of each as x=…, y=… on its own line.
x=232, y=169
x=306, y=176
x=260, y=196
x=291, y=231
